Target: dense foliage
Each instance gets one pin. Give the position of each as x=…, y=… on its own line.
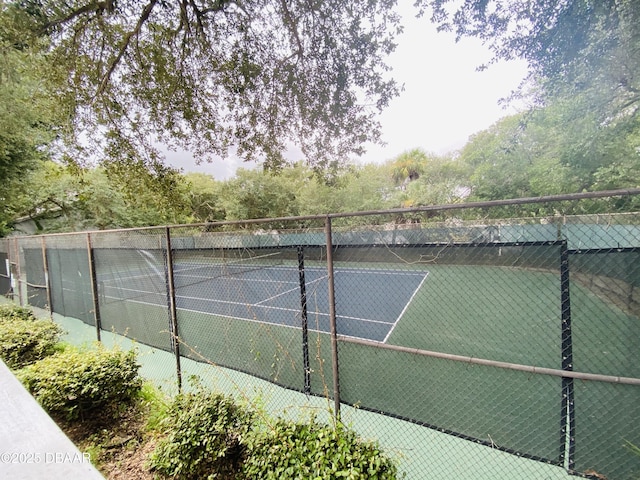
x=312, y=450
x=211, y=76
x=9, y=311
x=25, y=339
x=74, y=383
x=221, y=77
x=527, y=155
x=30, y=117
x=210, y=435
x=204, y=437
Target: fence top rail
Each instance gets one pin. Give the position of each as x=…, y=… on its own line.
x=392, y=211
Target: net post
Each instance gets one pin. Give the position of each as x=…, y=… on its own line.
x=332, y=318
x=567, y=414
x=47, y=283
x=94, y=288
x=171, y=293
x=305, y=326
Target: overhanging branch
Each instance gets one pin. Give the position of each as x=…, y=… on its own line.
x=97, y=7
x=144, y=16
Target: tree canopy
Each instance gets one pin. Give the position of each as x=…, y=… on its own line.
x=30, y=118
x=571, y=46
x=221, y=77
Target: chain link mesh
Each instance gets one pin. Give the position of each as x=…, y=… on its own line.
x=491, y=348
x=5, y=269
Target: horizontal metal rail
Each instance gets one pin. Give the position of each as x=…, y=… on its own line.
x=494, y=363
x=426, y=208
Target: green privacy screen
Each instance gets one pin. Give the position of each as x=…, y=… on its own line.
x=70, y=283
x=259, y=310
x=133, y=296
x=35, y=278
x=474, y=300
x=606, y=339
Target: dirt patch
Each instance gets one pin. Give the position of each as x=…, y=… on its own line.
x=129, y=463
x=119, y=447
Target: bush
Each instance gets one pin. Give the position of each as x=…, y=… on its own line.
x=204, y=437
x=25, y=339
x=75, y=382
x=13, y=312
x=312, y=450
x=208, y=435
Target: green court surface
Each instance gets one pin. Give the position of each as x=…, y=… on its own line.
x=509, y=315
x=496, y=313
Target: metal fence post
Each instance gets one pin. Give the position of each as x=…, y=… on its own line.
x=94, y=287
x=567, y=415
x=14, y=267
x=47, y=283
x=304, y=320
x=332, y=319
x=16, y=262
x=171, y=291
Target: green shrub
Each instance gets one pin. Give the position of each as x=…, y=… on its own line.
x=204, y=433
x=75, y=382
x=312, y=450
x=25, y=339
x=15, y=312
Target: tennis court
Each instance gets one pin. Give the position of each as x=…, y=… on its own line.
x=242, y=308
x=366, y=307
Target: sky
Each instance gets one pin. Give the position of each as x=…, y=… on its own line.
x=445, y=99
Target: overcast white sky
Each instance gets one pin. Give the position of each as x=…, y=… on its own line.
x=445, y=100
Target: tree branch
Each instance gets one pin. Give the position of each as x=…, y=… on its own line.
x=125, y=44
x=89, y=7
x=199, y=15
x=293, y=28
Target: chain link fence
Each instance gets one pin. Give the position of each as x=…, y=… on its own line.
x=471, y=346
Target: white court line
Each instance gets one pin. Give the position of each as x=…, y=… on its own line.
x=139, y=293
x=269, y=307
x=288, y=291
x=231, y=278
x=131, y=277
x=405, y=308
x=259, y=304
x=209, y=300
x=146, y=292
x=380, y=271
x=229, y=302
x=163, y=293
x=276, y=296
x=229, y=283
x=185, y=267
x=252, y=320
